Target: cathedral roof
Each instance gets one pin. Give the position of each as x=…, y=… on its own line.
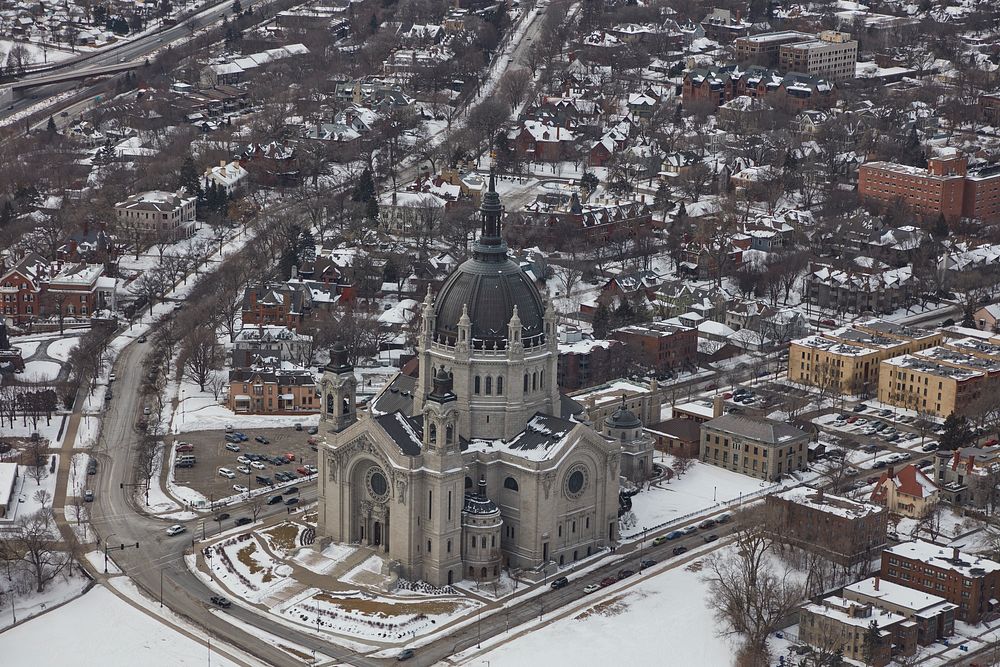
x=622, y=418
x=477, y=504
x=542, y=438
x=405, y=431
x=489, y=286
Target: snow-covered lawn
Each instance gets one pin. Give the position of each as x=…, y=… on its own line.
x=665, y=615
x=326, y=562
x=86, y=432
x=701, y=488
x=77, y=475
x=368, y=572
x=27, y=347
x=27, y=603
x=48, y=431
x=201, y=412
x=41, y=371
x=31, y=494
x=157, y=500
x=242, y=566
x=60, y=349
x=100, y=629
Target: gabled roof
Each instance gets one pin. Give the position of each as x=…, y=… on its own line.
x=910, y=481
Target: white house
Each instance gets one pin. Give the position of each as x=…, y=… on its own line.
x=230, y=177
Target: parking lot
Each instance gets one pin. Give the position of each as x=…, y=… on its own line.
x=211, y=454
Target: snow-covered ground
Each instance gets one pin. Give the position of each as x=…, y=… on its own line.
x=27, y=347
x=31, y=494
x=41, y=371
x=60, y=349
x=665, y=615
x=66, y=586
x=100, y=629
x=247, y=570
x=77, y=475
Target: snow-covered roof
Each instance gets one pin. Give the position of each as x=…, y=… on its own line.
x=966, y=565
x=893, y=594
x=818, y=499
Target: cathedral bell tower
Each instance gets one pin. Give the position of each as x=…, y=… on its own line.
x=445, y=479
x=339, y=390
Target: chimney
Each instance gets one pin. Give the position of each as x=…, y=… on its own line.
x=954, y=460
x=970, y=464
x=819, y=495
x=876, y=582
x=955, y=554
x=222, y=163
x=717, y=406
x=891, y=473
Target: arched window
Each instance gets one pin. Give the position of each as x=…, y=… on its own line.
x=541, y=379
x=347, y=405
x=489, y=385
x=329, y=404
x=468, y=482
x=534, y=381
x=525, y=383
x=484, y=573
x=476, y=389
x=449, y=435
x=499, y=385
x=509, y=483
x=433, y=434
x=482, y=541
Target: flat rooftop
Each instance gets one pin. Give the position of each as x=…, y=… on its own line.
x=935, y=555
x=829, y=503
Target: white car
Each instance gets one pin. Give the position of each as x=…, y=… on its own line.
x=232, y=447
x=239, y=488
x=175, y=529
x=312, y=469
x=242, y=459
x=590, y=588
x=243, y=469
x=111, y=378
x=257, y=465
x=226, y=472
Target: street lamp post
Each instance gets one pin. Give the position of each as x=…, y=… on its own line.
x=161, y=587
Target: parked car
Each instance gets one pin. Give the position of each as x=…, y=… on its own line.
x=292, y=501
x=312, y=430
x=298, y=427
x=860, y=407
x=142, y=339
x=231, y=447
x=244, y=459
x=176, y=529
x=239, y=488
x=590, y=588
x=243, y=520
x=292, y=489
x=828, y=322
x=185, y=447
x=679, y=550
x=607, y=581
x=92, y=467
x=302, y=470
x=724, y=517
x=707, y=523
x=711, y=538
x=264, y=481
x=222, y=517
x=274, y=500
x=257, y=465
x=220, y=601
x=227, y=473
x=649, y=562
x=559, y=583
x=673, y=535
x=241, y=436
x=262, y=440
x=312, y=469
x=88, y=496
x=625, y=573
x=243, y=470
x=930, y=447
x=688, y=530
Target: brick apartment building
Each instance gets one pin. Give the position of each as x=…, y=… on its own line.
x=933, y=615
x=842, y=530
x=35, y=288
x=585, y=362
x=945, y=187
x=276, y=305
x=837, y=622
x=761, y=448
x=660, y=346
x=158, y=215
x=763, y=49
x=272, y=390
x=792, y=91
x=971, y=582
x=833, y=56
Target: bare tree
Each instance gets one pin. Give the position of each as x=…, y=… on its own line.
x=33, y=541
x=200, y=355
x=38, y=459
x=513, y=86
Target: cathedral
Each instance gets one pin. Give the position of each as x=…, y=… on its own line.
x=478, y=463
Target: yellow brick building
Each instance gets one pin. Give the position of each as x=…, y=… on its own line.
x=940, y=380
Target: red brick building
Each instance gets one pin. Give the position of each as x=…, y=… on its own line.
x=968, y=581
x=539, y=142
x=793, y=91
x=21, y=288
x=660, y=346
x=585, y=362
x=945, y=187
x=35, y=288
x=282, y=304
x=268, y=390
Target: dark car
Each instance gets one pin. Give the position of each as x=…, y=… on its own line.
x=679, y=550
x=405, y=654
x=263, y=481
x=222, y=517
x=243, y=520
x=220, y=601
x=292, y=489
x=298, y=427
x=274, y=500
x=861, y=407
x=560, y=582
x=607, y=581
x=312, y=430
x=262, y=440
x=109, y=395
x=623, y=574
x=242, y=436
x=91, y=467
x=647, y=563
x=711, y=538
x=292, y=501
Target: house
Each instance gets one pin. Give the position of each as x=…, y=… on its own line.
x=845, y=531
x=231, y=177
x=412, y=214
x=283, y=305
x=158, y=215
x=838, y=623
x=965, y=476
x=680, y=437
x=270, y=387
x=757, y=447
x=272, y=164
x=540, y=142
x=660, y=346
x=987, y=318
x=933, y=615
x=275, y=341
x=585, y=361
x=21, y=288
x=908, y=492
x=80, y=289
x=971, y=582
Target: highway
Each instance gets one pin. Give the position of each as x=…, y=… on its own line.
x=137, y=49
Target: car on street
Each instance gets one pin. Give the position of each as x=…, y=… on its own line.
x=724, y=517
x=625, y=573
x=312, y=430
x=146, y=411
x=262, y=440
x=88, y=496
x=220, y=601
x=673, y=535
x=559, y=583
x=405, y=654
x=274, y=500
x=231, y=447
x=227, y=473
x=607, y=581
x=239, y=488
x=222, y=517
x=711, y=538
x=590, y=588
x=707, y=523
x=292, y=501
x=175, y=529
x=243, y=520
x=257, y=465
x=292, y=489
x=688, y=530
x=679, y=550
x=649, y=562
x=142, y=339
x=930, y=447
x=92, y=467
x=111, y=378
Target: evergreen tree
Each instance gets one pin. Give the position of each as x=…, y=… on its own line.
x=373, y=24
x=957, y=433
x=237, y=7
x=602, y=320
x=589, y=180
x=681, y=212
x=51, y=126
x=364, y=189
x=371, y=210
x=189, y=179
x=871, y=642
x=940, y=229
x=6, y=213
x=662, y=197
